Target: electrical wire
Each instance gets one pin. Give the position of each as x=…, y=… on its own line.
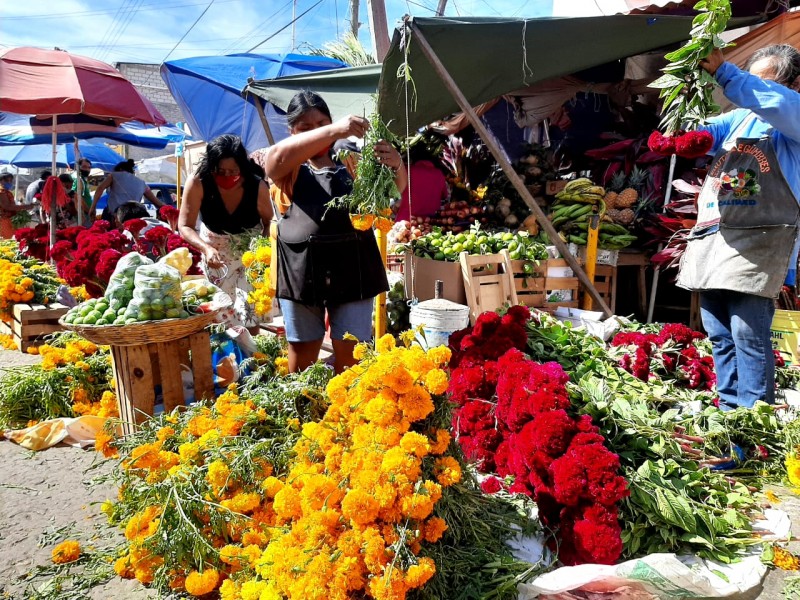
x=254, y=31
x=114, y=23
x=123, y=26
x=88, y=13
x=196, y=21
x=289, y=24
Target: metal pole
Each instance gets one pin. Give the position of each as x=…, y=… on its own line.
x=54, y=142
x=593, y=233
x=494, y=147
x=651, y=306
x=16, y=185
x=79, y=187
x=440, y=8
x=380, y=299
x=354, y=17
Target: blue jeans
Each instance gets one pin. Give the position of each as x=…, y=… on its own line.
x=738, y=326
x=307, y=323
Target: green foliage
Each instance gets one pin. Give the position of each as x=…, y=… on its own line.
x=686, y=89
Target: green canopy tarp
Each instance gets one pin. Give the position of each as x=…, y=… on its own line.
x=488, y=57
x=346, y=91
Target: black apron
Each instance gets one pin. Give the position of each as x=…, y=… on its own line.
x=322, y=259
x=747, y=224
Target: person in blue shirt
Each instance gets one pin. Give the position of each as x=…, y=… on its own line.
x=745, y=242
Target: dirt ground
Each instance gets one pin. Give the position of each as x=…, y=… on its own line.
x=49, y=490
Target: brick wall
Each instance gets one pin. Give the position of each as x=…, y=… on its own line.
x=147, y=79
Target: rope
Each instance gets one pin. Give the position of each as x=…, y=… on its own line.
x=405, y=44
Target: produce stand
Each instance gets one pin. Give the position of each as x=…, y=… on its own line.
x=151, y=354
x=31, y=322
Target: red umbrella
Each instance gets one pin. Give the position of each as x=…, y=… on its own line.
x=48, y=83
x=52, y=82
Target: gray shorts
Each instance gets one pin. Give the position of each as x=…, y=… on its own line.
x=307, y=323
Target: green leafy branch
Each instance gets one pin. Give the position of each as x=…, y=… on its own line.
x=686, y=89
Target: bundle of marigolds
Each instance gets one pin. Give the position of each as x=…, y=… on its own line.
x=359, y=503
x=74, y=378
x=257, y=264
x=23, y=279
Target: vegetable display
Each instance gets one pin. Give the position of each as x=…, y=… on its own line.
x=439, y=245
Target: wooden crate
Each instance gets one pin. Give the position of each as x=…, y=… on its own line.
x=139, y=369
x=395, y=262
x=560, y=283
x=31, y=322
x=488, y=282
x=605, y=281
x=529, y=286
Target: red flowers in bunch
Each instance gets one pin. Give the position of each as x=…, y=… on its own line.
x=169, y=214
x=513, y=420
x=34, y=241
x=671, y=353
x=689, y=144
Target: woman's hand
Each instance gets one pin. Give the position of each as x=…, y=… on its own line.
x=388, y=155
x=213, y=259
x=712, y=62
x=351, y=125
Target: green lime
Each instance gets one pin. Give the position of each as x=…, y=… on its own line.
x=90, y=320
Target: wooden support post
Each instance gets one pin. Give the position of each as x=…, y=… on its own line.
x=380, y=299
x=494, y=147
x=262, y=115
x=591, y=254
x=440, y=8
x=379, y=30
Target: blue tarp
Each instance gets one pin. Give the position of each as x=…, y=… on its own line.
x=41, y=155
x=27, y=129
x=208, y=90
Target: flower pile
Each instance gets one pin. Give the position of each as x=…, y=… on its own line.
x=23, y=279
x=256, y=261
x=514, y=419
x=74, y=378
x=87, y=256
x=670, y=354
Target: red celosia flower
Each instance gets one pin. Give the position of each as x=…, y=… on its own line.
x=107, y=263
x=694, y=144
x=170, y=215
x=661, y=144
x=491, y=485
x=134, y=226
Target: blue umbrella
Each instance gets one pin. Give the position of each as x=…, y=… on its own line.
x=27, y=129
x=41, y=155
x=208, y=90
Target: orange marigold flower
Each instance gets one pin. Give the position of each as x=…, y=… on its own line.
x=202, y=583
x=448, y=471
x=360, y=507
x=66, y=552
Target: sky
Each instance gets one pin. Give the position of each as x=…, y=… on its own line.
x=149, y=31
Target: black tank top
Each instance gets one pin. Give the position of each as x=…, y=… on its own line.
x=217, y=218
x=322, y=259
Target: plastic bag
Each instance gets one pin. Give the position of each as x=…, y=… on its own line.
x=199, y=289
x=121, y=284
x=156, y=294
x=180, y=258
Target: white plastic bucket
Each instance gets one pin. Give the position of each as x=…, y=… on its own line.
x=438, y=319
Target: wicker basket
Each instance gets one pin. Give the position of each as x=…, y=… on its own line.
x=147, y=332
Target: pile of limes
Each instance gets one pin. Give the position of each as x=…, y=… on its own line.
x=439, y=245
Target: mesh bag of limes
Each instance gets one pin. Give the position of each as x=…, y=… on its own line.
x=140, y=290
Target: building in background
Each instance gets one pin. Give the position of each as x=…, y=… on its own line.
x=146, y=78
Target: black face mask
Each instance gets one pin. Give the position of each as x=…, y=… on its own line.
x=85, y=173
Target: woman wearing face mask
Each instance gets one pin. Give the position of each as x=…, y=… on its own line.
x=230, y=195
x=324, y=264
x=744, y=243
x=8, y=207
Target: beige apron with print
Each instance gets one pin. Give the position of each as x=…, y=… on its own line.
x=747, y=223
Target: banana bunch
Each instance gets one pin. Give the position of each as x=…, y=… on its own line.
x=581, y=190
x=574, y=207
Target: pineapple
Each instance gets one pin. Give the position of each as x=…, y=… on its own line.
x=617, y=182
x=610, y=200
x=613, y=213
x=627, y=198
x=625, y=217
x=638, y=179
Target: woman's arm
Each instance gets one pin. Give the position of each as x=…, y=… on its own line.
x=148, y=193
x=264, y=206
x=389, y=156
x=293, y=151
x=8, y=205
x=773, y=102
x=99, y=192
x=187, y=220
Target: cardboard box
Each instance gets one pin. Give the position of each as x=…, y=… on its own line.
x=784, y=333
x=551, y=188
x=427, y=271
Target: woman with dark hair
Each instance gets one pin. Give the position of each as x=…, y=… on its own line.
x=323, y=264
x=744, y=244
x=123, y=186
x=232, y=199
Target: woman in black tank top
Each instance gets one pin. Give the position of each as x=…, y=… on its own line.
x=325, y=266
x=231, y=197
